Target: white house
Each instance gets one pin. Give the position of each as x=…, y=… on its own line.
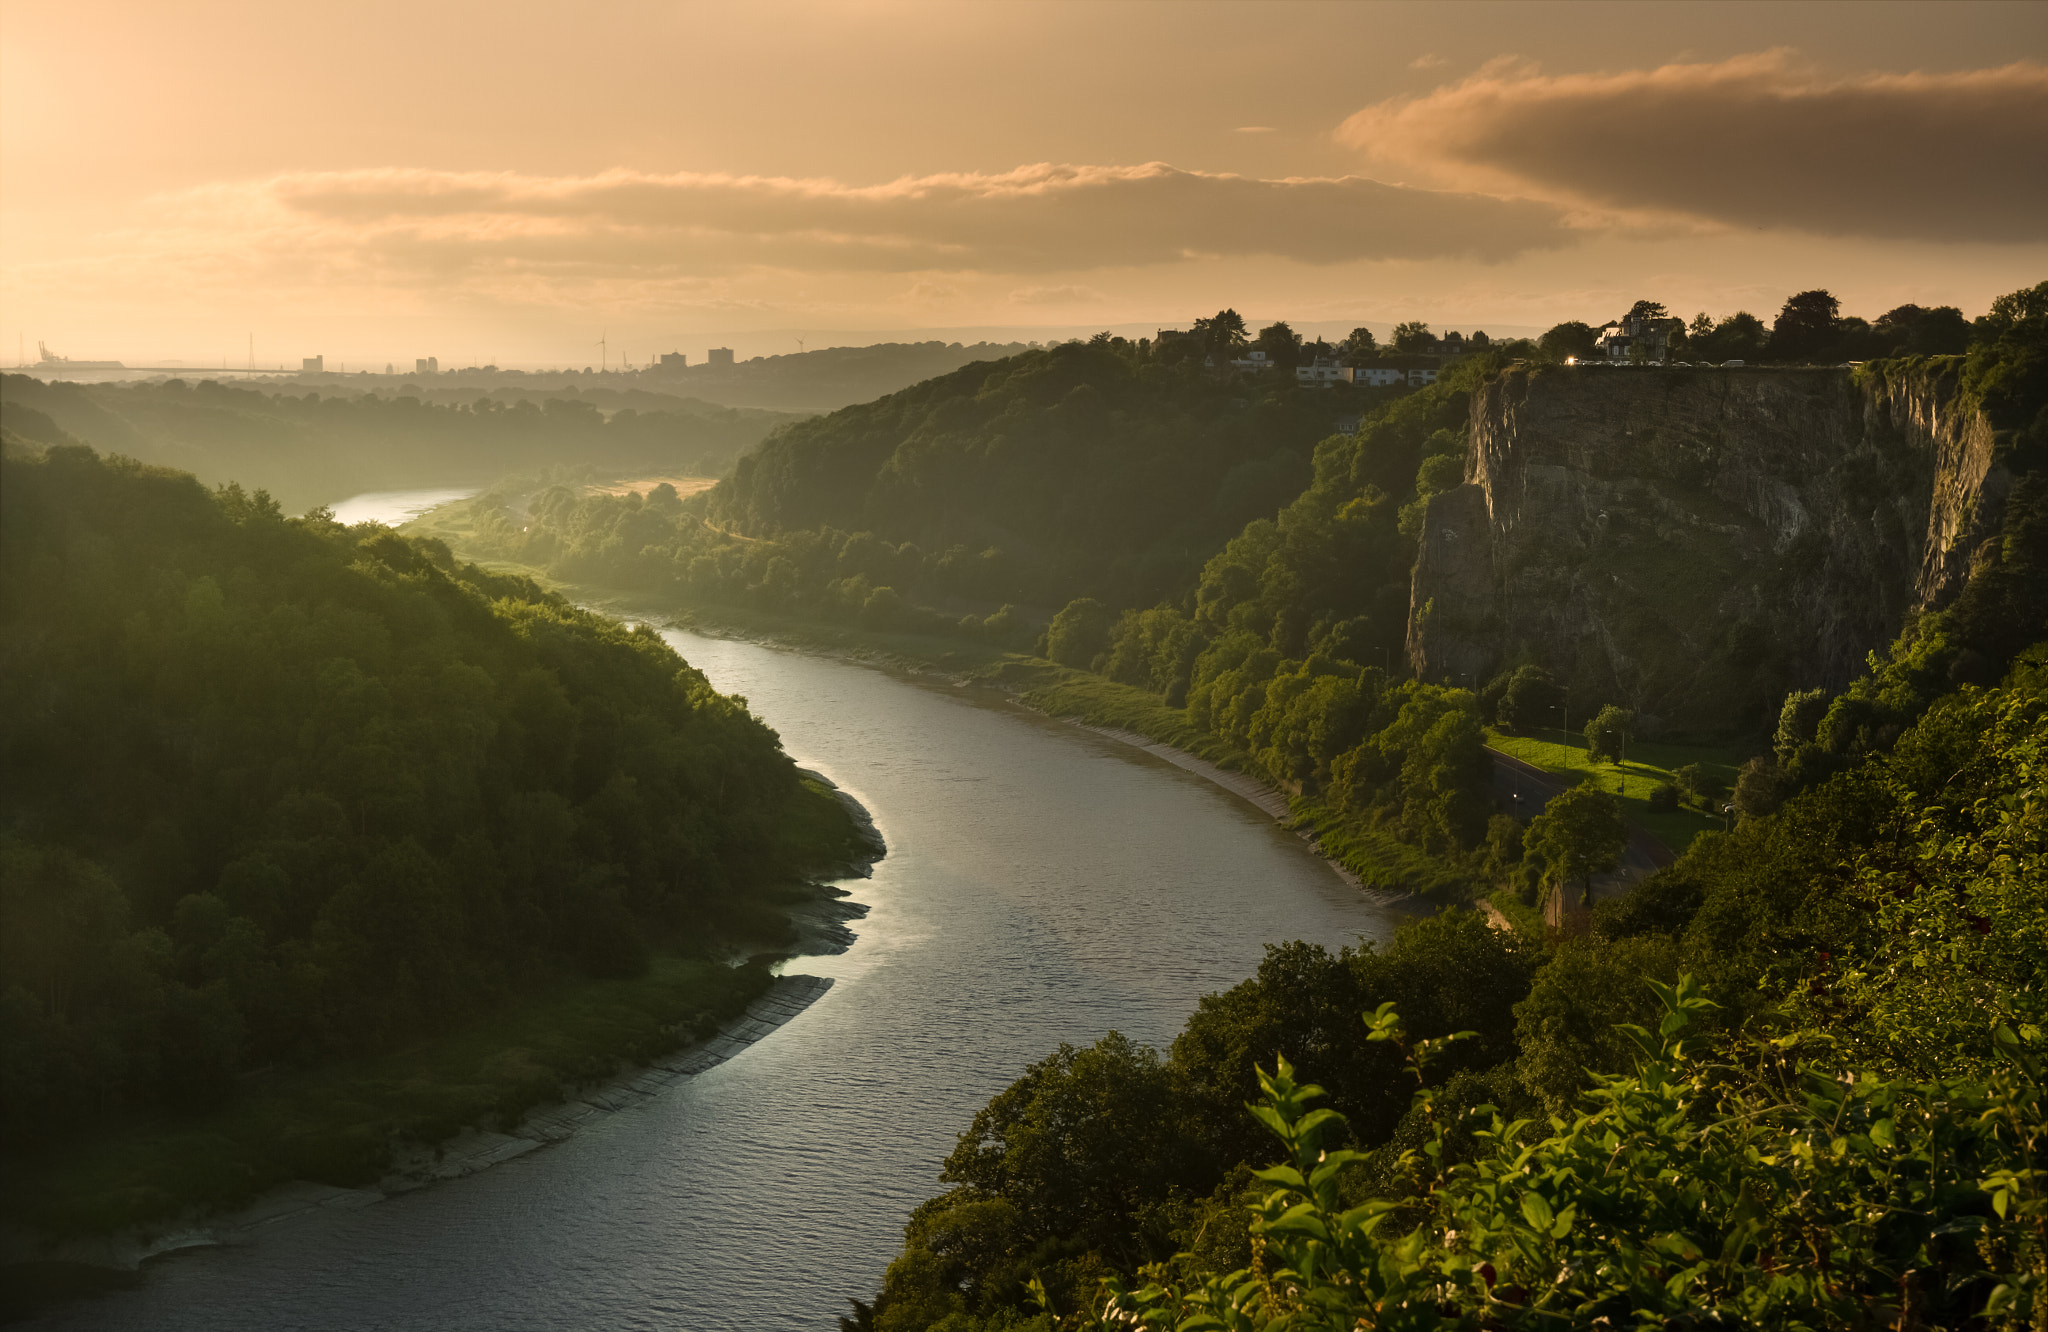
x=1253, y=359
x=1375, y=376
x=1420, y=378
x=1319, y=374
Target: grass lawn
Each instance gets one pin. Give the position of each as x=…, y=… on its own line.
x=1649, y=765
x=337, y=1125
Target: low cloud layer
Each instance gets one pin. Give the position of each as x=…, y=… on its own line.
x=1755, y=141
x=1033, y=220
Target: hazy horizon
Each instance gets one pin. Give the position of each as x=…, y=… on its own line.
x=493, y=184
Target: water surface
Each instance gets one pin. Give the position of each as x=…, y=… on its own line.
x=1044, y=884
x=394, y=508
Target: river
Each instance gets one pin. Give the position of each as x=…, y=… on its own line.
x=1043, y=884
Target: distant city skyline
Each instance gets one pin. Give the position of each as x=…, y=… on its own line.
x=509, y=181
x=764, y=342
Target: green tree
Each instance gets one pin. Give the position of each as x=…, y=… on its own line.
x=1281, y=344
x=1360, y=345
x=1580, y=833
x=1609, y=734
x=1570, y=339
x=1806, y=328
x=1223, y=332
x=1413, y=336
x=1079, y=633
x=1740, y=337
x=1913, y=330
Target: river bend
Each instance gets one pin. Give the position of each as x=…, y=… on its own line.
x=1043, y=884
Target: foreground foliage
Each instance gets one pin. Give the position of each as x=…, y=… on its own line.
x=1856, y=1121
x=1768, y=1186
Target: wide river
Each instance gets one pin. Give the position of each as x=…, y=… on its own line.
x=1043, y=884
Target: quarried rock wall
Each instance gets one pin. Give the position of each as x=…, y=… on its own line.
x=1692, y=543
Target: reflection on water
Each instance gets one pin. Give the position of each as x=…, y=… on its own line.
x=394, y=507
x=1043, y=885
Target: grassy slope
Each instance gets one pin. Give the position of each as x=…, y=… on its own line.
x=1649, y=765
x=337, y=1124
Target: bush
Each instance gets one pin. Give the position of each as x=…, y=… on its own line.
x=1079, y=633
x=1609, y=734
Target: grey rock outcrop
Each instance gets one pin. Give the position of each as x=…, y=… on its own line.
x=1694, y=543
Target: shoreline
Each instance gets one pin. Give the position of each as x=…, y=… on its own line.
x=1267, y=799
x=821, y=929
x=420, y=1165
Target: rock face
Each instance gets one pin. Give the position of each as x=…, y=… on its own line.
x=1694, y=543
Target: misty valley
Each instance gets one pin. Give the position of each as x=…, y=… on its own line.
x=1213, y=829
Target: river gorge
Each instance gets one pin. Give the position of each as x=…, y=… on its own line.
x=1043, y=884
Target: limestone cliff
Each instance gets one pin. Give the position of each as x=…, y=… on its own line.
x=1694, y=543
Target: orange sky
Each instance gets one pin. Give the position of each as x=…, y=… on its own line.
x=510, y=181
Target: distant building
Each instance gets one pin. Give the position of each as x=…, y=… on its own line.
x=1421, y=378
x=312, y=365
x=1620, y=339
x=1376, y=376
x=719, y=356
x=427, y=365
x=674, y=361
x=1254, y=360
x=1319, y=373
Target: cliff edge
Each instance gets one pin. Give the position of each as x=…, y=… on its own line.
x=1693, y=543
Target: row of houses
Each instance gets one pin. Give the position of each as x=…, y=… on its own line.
x=1326, y=372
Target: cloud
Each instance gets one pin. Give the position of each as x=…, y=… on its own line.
x=500, y=230
x=926, y=292
x=1255, y=129
x=1754, y=141
x=1066, y=293
x=1427, y=61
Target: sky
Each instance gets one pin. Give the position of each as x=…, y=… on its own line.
x=512, y=182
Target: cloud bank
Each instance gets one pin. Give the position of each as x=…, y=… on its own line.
x=1031, y=221
x=1754, y=141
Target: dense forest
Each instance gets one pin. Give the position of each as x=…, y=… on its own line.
x=1208, y=540
x=276, y=791
x=1794, y=1077
x=1834, y=1102
x=308, y=450
x=1019, y=480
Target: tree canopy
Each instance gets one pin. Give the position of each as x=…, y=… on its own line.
x=278, y=790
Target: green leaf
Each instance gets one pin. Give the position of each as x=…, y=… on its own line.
x=1300, y=1219
x=1536, y=1211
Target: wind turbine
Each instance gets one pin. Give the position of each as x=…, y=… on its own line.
x=603, y=351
